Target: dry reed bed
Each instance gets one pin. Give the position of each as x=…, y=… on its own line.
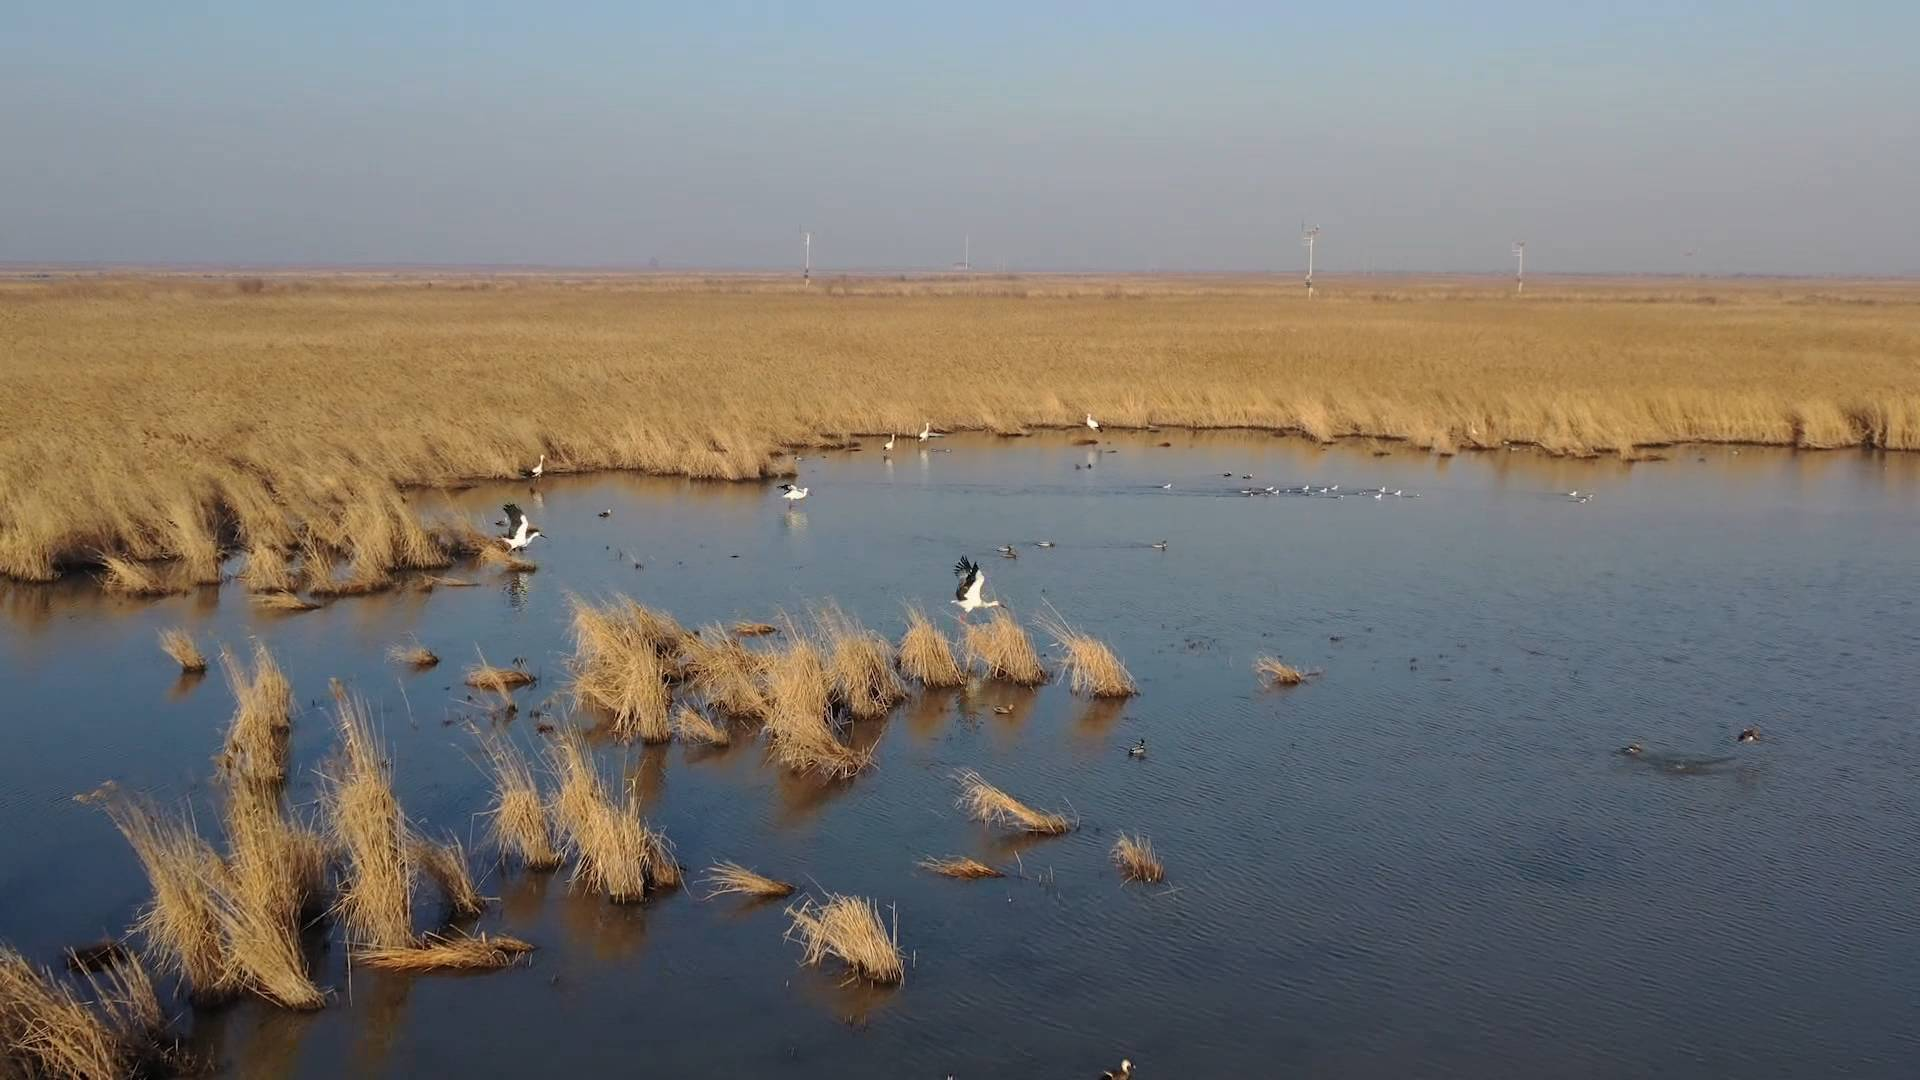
x=444, y=862
x=1822, y=364
x=614, y=850
x=1001, y=646
x=850, y=929
x=860, y=665
x=727, y=674
x=1092, y=668
x=484, y=676
x=732, y=878
x=624, y=655
x=991, y=806
x=376, y=886
x=801, y=732
x=1275, y=672
x=1135, y=857
x=48, y=1030
x=257, y=737
x=959, y=866
x=692, y=725
x=926, y=656
x=448, y=952
x=518, y=817
x=179, y=646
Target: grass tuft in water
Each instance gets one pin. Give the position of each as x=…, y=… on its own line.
x=1002, y=647
x=730, y=877
x=179, y=645
x=991, y=806
x=926, y=655
x=1092, y=668
x=848, y=928
x=1135, y=857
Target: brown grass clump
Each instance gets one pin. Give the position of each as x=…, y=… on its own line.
x=926, y=655
x=959, y=866
x=850, y=929
x=180, y=924
x=498, y=679
x=611, y=844
x=619, y=667
x=283, y=601
x=267, y=571
x=695, y=726
x=444, y=862
x=272, y=871
x=519, y=817
x=731, y=877
x=177, y=643
x=414, y=655
x=449, y=952
x=727, y=673
x=496, y=556
x=376, y=889
x=990, y=806
x=45, y=1031
x=861, y=667
x=1004, y=650
x=257, y=737
x=754, y=629
x=1274, y=672
x=799, y=725
x=1091, y=666
x=1136, y=860
x=130, y=578
x=190, y=542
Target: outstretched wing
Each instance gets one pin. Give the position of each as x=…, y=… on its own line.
x=515, y=518
x=971, y=579
x=786, y=487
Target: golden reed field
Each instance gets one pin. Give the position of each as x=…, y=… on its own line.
x=186, y=417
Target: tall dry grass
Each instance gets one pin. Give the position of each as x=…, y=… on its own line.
x=850, y=929
x=376, y=885
x=732, y=878
x=612, y=847
x=179, y=646
x=620, y=666
x=1135, y=857
x=275, y=871
x=262, y=725
x=860, y=664
x=991, y=806
x=180, y=923
x=1002, y=648
x=47, y=1031
x=694, y=726
x=1092, y=668
x=726, y=673
x=801, y=732
x=518, y=816
x=1577, y=366
x=444, y=862
x=926, y=655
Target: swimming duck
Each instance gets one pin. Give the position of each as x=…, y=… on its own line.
x=1043, y=543
x=1124, y=1072
x=1138, y=749
x=1006, y=551
x=604, y=514
x=1632, y=749
x=1751, y=734
x=1159, y=545
x=1003, y=710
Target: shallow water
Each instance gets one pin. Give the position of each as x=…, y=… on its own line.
x=1428, y=861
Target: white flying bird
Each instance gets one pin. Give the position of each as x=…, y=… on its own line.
x=519, y=535
x=972, y=582
x=791, y=493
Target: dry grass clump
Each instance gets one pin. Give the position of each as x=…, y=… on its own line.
x=959, y=866
x=46, y=1031
x=177, y=643
x=519, y=817
x=130, y=578
x=496, y=556
x=1136, y=860
x=1091, y=666
x=926, y=655
x=414, y=655
x=731, y=877
x=612, y=846
x=754, y=629
x=1004, y=650
x=190, y=541
x=800, y=726
x=694, y=726
x=1275, y=672
x=376, y=888
x=181, y=923
x=620, y=665
x=272, y=869
x=444, y=862
x=498, y=679
x=850, y=929
x=284, y=601
x=448, y=952
x=990, y=806
x=861, y=667
x=258, y=734
x=726, y=673
x=268, y=571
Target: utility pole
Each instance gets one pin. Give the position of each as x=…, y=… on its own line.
x=1307, y=237
x=1519, y=267
x=966, y=258
x=806, y=265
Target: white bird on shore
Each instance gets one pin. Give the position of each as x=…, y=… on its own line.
x=972, y=582
x=1092, y=423
x=538, y=470
x=927, y=432
x=889, y=443
x=792, y=494
x=519, y=535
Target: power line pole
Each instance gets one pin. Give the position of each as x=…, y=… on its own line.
x=806, y=265
x=1307, y=237
x=1519, y=267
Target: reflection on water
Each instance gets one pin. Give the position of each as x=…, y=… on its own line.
x=1428, y=861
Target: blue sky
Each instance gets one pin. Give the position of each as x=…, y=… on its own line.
x=1766, y=138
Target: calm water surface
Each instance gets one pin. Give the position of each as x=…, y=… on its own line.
x=1428, y=862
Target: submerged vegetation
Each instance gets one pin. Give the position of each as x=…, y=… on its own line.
x=1812, y=364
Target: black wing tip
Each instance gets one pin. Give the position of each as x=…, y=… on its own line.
x=511, y=509
x=965, y=566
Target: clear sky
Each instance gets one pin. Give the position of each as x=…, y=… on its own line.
x=1764, y=137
